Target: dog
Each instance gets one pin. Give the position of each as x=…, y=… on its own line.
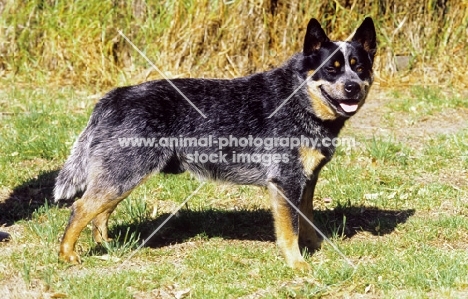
x=244, y=131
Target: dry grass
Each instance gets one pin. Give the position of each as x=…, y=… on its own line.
x=398, y=211
x=75, y=43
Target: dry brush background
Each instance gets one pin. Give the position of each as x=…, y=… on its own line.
x=77, y=42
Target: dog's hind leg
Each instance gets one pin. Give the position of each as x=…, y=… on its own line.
x=95, y=201
x=110, y=180
x=100, y=224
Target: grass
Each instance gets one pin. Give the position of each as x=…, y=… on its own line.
x=429, y=101
x=395, y=204
x=392, y=207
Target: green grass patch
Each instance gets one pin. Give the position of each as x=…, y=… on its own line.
x=425, y=101
x=396, y=208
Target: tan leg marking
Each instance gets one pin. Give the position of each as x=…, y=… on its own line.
x=79, y=218
x=84, y=210
x=286, y=238
x=310, y=158
x=100, y=225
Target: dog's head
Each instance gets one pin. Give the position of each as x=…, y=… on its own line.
x=341, y=71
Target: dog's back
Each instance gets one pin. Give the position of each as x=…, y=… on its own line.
x=125, y=118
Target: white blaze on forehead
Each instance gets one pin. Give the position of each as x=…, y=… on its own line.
x=346, y=48
x=343, y=47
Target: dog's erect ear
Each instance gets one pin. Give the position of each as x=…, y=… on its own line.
x=365, y=35
x=314, y=37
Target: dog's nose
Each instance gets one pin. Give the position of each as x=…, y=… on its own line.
x=351, y=88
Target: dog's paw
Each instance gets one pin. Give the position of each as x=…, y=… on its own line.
x=70, y=258
x=100, y=240
x=302, y=266
x=312, y=244
x=297, y=262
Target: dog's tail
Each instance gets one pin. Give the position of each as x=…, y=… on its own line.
x=73, y=177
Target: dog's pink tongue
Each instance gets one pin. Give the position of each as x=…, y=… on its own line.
x=349, y=107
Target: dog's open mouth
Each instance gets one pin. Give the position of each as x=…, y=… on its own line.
x=347, y=106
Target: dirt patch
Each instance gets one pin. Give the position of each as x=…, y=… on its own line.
x=377, y=119
x=370, y=119
x=448, y=121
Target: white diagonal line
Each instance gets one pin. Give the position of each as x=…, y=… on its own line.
x=309, y=77
x=161, y=73
x=162, y=224
x=315, y=227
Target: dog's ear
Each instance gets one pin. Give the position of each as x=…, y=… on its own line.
x=314, y=38
x=366, y=36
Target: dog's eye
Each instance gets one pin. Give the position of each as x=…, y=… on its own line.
x=359, y=69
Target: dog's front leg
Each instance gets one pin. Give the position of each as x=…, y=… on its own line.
x=286, y=224
x=307, y=234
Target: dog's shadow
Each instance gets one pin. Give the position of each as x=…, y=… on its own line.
x=257, y=224
x=188, y=223
x=26, y=198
